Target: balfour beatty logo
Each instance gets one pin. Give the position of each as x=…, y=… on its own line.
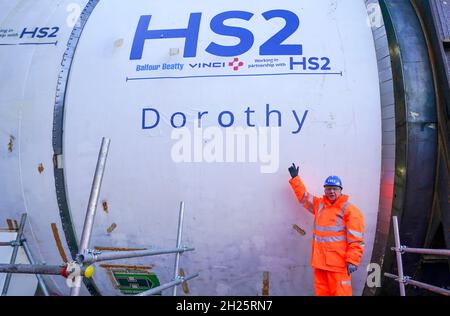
x=271, y=46
x=235, y=64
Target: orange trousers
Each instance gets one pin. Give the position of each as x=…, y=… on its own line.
x=328, y=283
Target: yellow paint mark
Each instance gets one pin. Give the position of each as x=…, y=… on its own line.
x=10, y=224
x=101, y=248
x=184, y=285
x=89, y=272
x=265, y=289
x=105, y=206
x=111, y=228
x=299, y=230
x=11, y=143
x=41, y=168
x=62, y=253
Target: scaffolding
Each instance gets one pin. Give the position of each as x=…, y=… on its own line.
x=406, y=280
x=15, y=268
x=81, y=266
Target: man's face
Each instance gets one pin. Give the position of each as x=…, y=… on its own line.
x=333, y=192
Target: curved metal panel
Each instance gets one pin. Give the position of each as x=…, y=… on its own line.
x=237, y=239
x=416, y=134
x=435, y=16
x=388, y=135
x=229, y=204
x=60, y=183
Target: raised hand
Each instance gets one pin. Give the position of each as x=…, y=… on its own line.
x=293, y=170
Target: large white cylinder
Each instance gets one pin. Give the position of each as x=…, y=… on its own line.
x=142, y=74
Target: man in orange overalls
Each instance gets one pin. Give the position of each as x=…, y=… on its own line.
x=338, y=235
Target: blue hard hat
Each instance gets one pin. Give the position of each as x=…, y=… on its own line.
x=333, y=181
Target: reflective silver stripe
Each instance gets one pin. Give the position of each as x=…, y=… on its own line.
x=341, y=214
x=320, y=208
x=310, y=203
x=355, y=233
x=329, y=228
x=346, y=282
x=303, y=198
x=361, y=243
x=329, y=239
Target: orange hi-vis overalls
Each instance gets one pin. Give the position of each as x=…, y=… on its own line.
x=338, y=238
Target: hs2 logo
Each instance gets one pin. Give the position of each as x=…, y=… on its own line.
x=40, y=32
x=272, y=46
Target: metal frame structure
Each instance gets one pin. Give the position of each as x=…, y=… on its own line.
x=57, y=136
x=177, y=278
x=92, y=206
x=86, y=255
x=11, y=268
x=91, y=256
x=405, y=280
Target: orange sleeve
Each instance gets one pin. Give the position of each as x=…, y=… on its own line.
x=309, y=201
x=354, y=220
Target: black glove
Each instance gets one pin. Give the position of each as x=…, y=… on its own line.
x=351, y=268
x=293, y=170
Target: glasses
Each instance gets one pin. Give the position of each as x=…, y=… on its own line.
x=335, y=189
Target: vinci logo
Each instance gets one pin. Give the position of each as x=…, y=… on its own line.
x=272, y=46
x=236, y=64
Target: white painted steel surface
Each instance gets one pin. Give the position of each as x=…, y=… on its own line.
x=239, y=215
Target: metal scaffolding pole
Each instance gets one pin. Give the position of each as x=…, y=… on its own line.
x=93, y=200
x=437, y=252
x=32, y=269
x=177, y=256
x=97, y=257
x=85, y=255
x=15, y=251
x=425, y=286
x=399, y=257
x=168, y=285
x=62, y=270
x=38, y=276
x=405, y=280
